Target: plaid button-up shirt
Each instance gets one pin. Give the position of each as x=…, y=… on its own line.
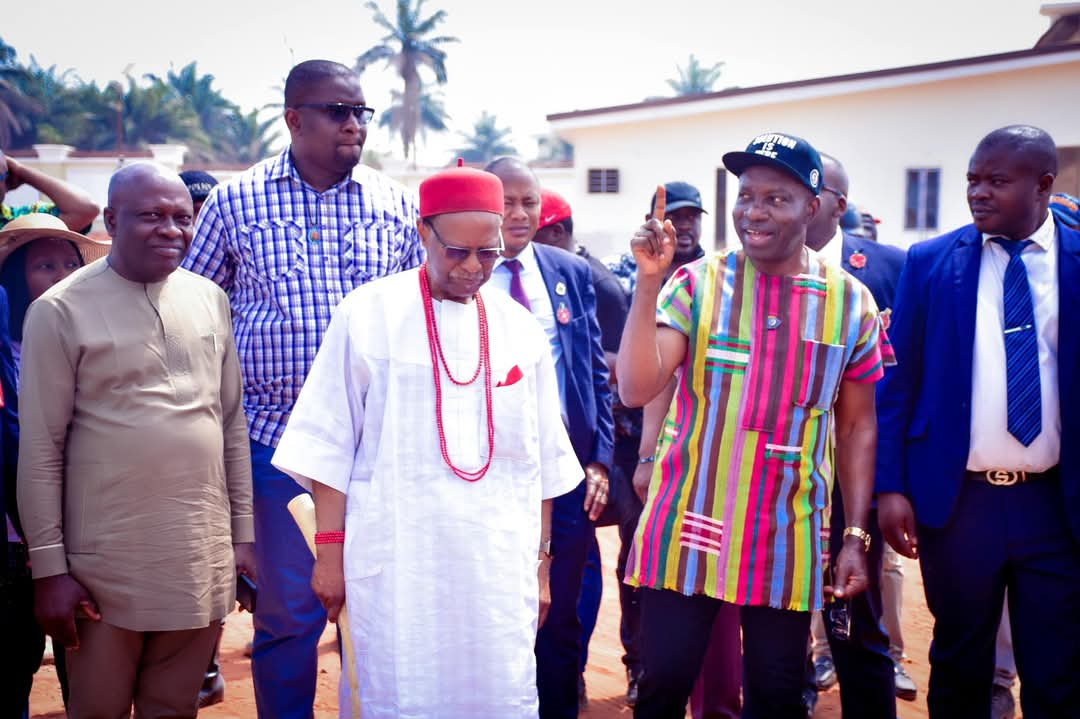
x=286, y=255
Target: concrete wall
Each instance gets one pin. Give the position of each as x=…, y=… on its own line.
x=877, y=133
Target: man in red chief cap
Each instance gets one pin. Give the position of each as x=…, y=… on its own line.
x=430, y=433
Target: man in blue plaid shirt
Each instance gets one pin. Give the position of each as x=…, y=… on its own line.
x=287, y=240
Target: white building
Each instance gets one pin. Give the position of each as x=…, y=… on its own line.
x=904, y=134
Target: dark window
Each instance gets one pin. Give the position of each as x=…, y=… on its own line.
x=921, y=207
x=603, y=181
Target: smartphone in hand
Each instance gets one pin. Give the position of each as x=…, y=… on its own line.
x=245, y=593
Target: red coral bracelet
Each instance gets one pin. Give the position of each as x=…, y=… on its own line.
x=330, y=537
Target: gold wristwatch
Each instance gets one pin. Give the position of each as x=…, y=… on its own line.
x=861, y=534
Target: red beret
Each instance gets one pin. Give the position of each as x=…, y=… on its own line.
x=461, y=189
x=553, y=208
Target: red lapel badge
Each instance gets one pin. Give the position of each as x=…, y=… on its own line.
x=857, y=260
x=563, y=314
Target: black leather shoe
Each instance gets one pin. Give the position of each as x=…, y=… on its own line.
x=212, y=692
x=632, y=679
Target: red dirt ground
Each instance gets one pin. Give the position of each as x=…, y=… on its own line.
x=604, y=676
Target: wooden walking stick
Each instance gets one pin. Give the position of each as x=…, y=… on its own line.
x=302, y=508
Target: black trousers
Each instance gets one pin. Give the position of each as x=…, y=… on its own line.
x=863, y=664
x=22, y=642
x=1004, y=537
x=558, y=643
x=675, y=631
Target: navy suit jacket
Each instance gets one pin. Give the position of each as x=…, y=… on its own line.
x=924, y=403
x=9, y=429
x=881, y=271
x=588, y=394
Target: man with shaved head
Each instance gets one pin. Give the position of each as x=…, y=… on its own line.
x=557, y=288
x=287, y=240
x=134, y=475
x=978, y=463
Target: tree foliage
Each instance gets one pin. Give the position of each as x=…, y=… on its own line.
x=408, y=47
x=695, y=78
x=47, y=105
x=486, y=141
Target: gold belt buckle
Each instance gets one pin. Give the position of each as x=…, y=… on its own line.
x=1004, y=477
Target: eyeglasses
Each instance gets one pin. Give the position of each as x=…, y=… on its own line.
x=834, y=191
x=339, y=111
x=485, y=255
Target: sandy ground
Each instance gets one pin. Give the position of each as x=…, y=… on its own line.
x=604, y=678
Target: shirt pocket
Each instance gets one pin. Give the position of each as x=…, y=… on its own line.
x=822, y=366
x=272, y=250
x=514, y=412
x=372, y=249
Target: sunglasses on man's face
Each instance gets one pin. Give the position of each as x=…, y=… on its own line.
x=339, y=111
x=485, y=255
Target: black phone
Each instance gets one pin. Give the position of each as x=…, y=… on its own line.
x=837, y=616
x=245, y=592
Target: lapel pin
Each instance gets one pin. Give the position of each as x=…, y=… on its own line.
x=857, y=260
x=772, y=322
x=560, y=288
x=563, y=313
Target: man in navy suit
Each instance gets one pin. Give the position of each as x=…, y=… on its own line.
x=557, y=287
x=863, y=665
x=978, y=465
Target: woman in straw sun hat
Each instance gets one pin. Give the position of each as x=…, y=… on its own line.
x=36, y=252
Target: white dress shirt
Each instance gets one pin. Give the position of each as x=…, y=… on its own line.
x=539, y=301
x=992, y=447
x=833, y=251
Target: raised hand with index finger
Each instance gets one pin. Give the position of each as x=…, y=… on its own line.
x=653, y=245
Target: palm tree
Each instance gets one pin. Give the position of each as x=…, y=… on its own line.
x=154, y=113
x=432, y=116
x=696, y=79
x=67, y=106
x=246, y=138
x=15, y=107
x=486, y=141
x=407, y=48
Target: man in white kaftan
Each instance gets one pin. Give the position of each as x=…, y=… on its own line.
x=440, y=573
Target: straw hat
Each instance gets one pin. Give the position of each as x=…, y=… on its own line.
x=39, y=225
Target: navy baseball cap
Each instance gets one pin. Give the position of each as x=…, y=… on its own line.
x=679, y=195
x=787, y=153
x=199, y=183
x=850, y=220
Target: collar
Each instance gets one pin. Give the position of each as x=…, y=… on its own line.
x=1043, y=237
x=526, y=257
x=283, y=167
x=833, y=251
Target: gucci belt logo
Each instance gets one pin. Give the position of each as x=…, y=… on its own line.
x=1004, y=477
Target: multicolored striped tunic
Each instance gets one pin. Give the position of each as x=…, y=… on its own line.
x=739, y=498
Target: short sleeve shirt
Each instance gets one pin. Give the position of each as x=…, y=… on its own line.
x=738, y=505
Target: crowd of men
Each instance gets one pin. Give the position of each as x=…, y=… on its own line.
x=467, y=393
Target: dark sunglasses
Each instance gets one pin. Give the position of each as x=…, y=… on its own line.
x=340, y=111
x=485, y=255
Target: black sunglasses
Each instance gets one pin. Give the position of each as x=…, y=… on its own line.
x=485, y=255
x=340, y=111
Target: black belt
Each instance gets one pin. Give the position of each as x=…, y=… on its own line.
x=1009, y=477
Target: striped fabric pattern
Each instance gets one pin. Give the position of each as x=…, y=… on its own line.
x=738, y=504
x=286, y=255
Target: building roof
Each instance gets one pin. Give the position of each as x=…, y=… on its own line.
x=909, y=74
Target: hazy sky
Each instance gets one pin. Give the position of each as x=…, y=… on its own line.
x=518, y=60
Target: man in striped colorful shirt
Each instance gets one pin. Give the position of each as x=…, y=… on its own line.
x=775, y=354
